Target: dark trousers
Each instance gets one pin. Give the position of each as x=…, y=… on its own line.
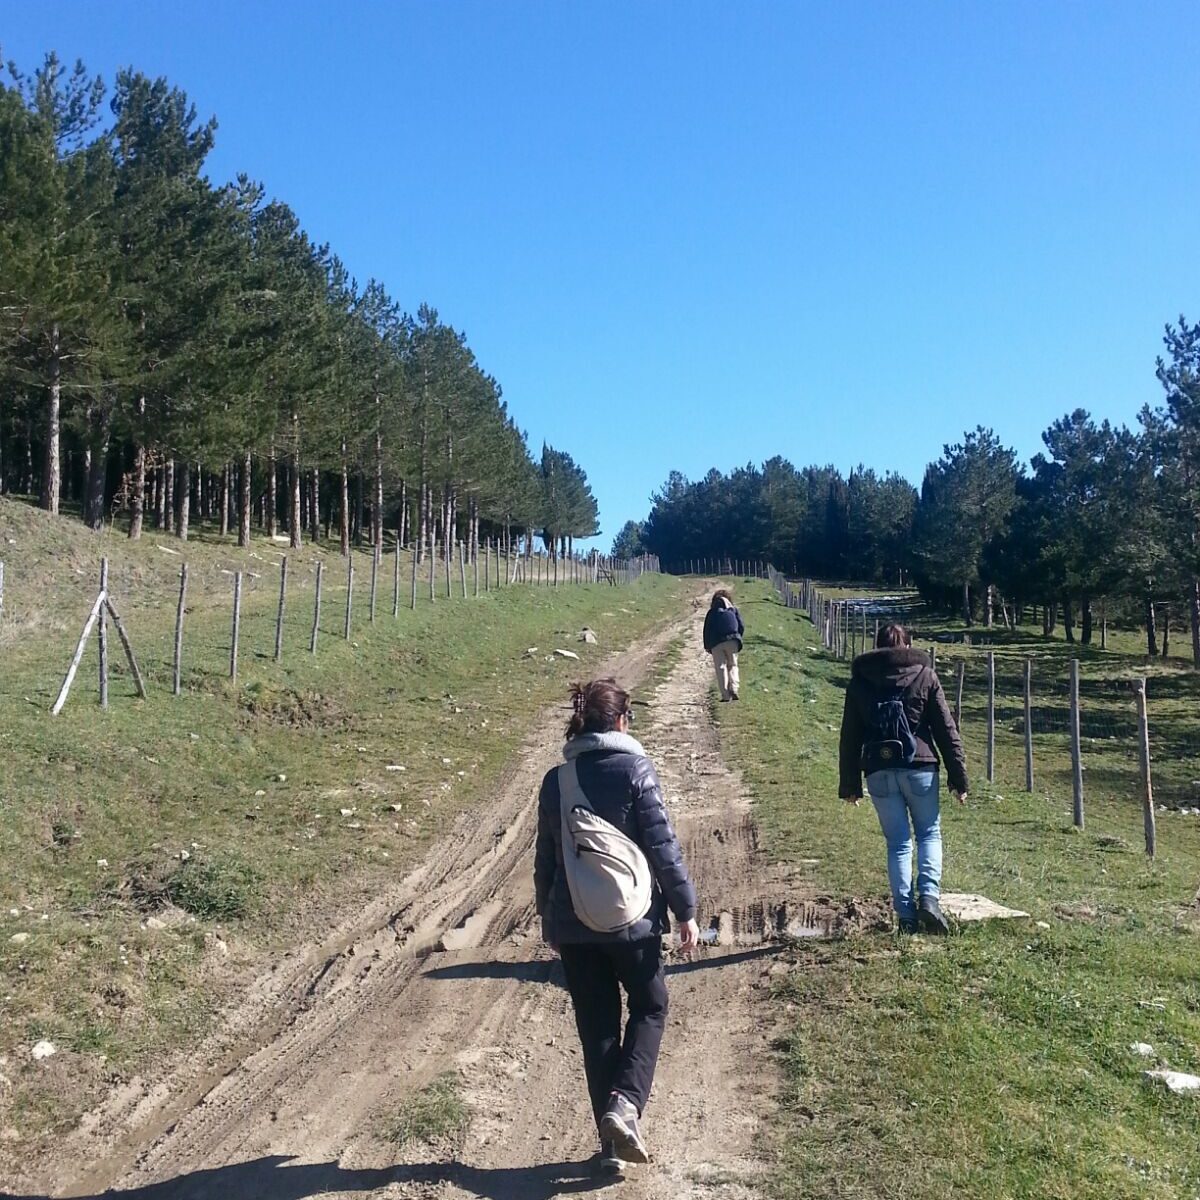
x=595, y=975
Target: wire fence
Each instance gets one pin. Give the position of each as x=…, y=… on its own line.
x=215, y=620
x=1122, y=729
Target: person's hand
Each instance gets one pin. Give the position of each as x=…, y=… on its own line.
x=855, y=800
x=961, y=797
x=689, y=935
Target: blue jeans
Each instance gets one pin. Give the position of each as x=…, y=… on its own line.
x=899, y=796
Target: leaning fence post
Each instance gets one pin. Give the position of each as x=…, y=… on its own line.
x=312, y=641
x=1076, y=750
x=102, y=632
x=279, y=614
x=83, y=637
x=961, y=671
x=178, y=675
x=237, y=625
x=991, y=718
x=1029, y=724
x=1144, y=761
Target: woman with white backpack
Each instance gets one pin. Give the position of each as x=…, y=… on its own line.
x=608, y=873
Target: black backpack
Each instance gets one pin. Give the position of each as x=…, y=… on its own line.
x=889, y=741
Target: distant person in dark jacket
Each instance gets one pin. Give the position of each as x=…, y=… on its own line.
x=902, y=767
x=620, y=785
x=723, y=633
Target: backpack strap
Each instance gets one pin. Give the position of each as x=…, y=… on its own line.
x=570, y=795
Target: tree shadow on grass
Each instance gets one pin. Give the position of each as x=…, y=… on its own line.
x=279, y=1177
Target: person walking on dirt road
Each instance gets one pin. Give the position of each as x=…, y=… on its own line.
x=607, y=791
x=723, y=633
x=895, y=715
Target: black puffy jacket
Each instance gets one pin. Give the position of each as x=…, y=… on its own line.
x=723, y=624
x=620, y=784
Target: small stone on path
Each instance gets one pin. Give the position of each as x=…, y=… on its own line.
x=43, y=1050
x=1176, y=1081
x=1142, y=1048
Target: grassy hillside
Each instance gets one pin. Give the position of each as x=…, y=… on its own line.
x=153, y=853
x=995, y=1063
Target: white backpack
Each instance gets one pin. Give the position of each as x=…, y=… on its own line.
x=607, y=873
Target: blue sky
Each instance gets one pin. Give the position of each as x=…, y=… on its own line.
x=695, y=235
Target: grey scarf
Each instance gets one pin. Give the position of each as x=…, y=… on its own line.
x=585, y=743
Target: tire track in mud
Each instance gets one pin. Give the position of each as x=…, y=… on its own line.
x=448, y=973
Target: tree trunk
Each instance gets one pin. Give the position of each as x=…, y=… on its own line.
x=272, y=493
x=989, y=606
x=423, y=520
x=404, y=521
x=52, y=477
x=295, y=514
x=225, y=485
x=1166, y=628
x=183, y=490
x=1085, y=618
x=93, y=508
x=1194, y=609
x=1068, y=620
x=344, y=509
x=315, y=500
x=1151, y=628
x=247, y=503
x=966, y=603
x=168, y=506
x=377, y=503
x=359, y=505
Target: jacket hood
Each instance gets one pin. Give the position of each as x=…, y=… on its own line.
x=892, y=666
x=586, y=743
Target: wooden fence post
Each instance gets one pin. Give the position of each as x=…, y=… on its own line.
x=487, y=564
x=933, y=656
x=102, y=632
x=312, y=641
x=237, y=625
x=475, y=563
x=1029, y=724
x=1076, y=749
x=960, y=671
x=991, y=718
x=1, y=590
x=177, y=679
x=1144, y=761
x=432, y=566
x=349, y=592
x=127, y=646
x=279, y=615
x=83, y=637
x=413, y=598
x=462, y=569
x=374, y=579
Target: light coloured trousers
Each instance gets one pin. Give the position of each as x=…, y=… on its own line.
x=724, y=659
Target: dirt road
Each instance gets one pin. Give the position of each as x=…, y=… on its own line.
x=448, y=974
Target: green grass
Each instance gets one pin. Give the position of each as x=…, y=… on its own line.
x=995, y=1063
x=156, y=852
x=437, y=1113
